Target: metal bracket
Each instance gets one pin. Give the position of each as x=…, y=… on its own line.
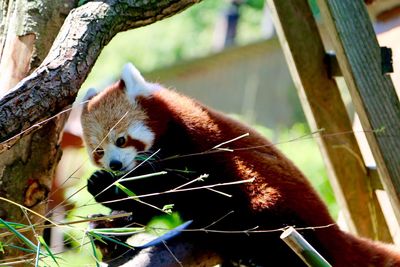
x=332, y=65
x=386, y=60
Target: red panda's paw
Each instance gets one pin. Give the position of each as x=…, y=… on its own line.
x=100, y=186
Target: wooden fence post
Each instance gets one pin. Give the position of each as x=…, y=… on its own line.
x=325, y=110
x=372, y=92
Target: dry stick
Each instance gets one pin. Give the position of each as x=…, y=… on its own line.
x=230, y=141
x=179, y=190
x=172, y=254
x=220, y=219
x=32, y=211
x=31, y=226
x=212, y=150
x=201, y=177
x=36, y=125
x=142, y=176
x=210, y=189
x=253, y=231
x=300, y=138
x=10, y=263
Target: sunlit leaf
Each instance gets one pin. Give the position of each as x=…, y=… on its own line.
x=97, y=259
x=125, y=190
x=168, y=208
x=14, y=225
x=37, y=255
x=100, y=237
x=119, y=230
x=43, y=243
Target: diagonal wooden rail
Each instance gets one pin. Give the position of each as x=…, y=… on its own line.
x=324, y=109
x=372, y=92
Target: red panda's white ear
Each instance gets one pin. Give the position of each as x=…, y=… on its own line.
x=135, y=84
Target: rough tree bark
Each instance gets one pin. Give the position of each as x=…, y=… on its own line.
x=27, y=29
x=29, y=147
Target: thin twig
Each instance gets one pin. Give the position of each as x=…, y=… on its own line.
x=180, y=190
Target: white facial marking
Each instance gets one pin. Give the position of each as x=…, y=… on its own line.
x=124, y=155
x=142, y=133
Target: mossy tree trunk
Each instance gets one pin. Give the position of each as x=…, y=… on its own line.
x=28, y=29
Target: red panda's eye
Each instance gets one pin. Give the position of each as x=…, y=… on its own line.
x=99, y=152
x=120, y=141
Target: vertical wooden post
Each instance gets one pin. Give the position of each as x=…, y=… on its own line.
x=325, y=110
x=372, y=92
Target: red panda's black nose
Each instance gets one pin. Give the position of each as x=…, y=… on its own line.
x=115, y=165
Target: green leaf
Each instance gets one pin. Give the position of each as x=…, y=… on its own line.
x=380, y=130
x=138, y=177
x=144, y=157
x=121, y=230
x=168, y=208
x=19, y=235
x=1, y=247
x=94, y=251
x=100, y=237
x=257, y=4
x=37, y=255
x=82, y=2
x=41, y=240
x=21, y=248
x=14, y=225
x=125, y=190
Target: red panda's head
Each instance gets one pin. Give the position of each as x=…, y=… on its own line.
x=114, y=124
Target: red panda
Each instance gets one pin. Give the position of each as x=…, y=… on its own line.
x=133, y=117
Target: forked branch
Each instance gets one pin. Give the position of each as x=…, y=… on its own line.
x=53, y=86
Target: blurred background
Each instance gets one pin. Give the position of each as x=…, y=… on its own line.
x=226, y=55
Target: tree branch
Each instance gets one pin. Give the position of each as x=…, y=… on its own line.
x=53, y=86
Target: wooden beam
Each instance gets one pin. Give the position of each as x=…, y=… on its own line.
x=325, y=109
x=373, y=93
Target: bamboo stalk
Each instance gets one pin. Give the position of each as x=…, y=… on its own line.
x=303, y=249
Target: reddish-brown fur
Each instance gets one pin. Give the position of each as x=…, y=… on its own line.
x=139, y=145
x=279, y=195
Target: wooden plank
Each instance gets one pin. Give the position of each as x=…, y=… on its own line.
x=325, y=109
x=372, y=92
